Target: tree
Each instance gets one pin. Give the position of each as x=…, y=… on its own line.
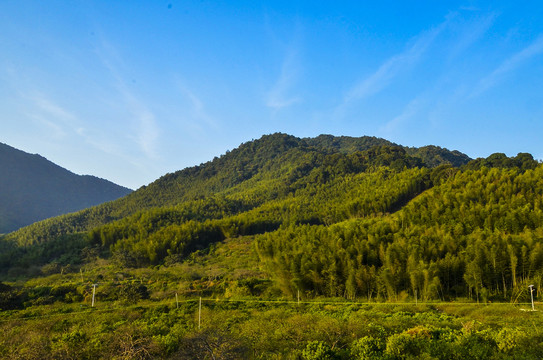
x=474, y=277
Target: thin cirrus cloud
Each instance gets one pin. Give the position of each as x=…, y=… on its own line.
x=410, y=110
x=280, y=95
x=391, y=68
x=58, y=119
x=468, y=34
x=471, y=33
x=198, y=112
x=509, y=65
x=146, y=132
x=51, y=108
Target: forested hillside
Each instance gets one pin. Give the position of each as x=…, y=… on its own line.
x=359, y=218
x=476, y=234
x=33, y=188
x=384, y=245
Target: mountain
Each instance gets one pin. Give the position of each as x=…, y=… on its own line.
x=327, y=247
x=326, y=216
x=33, y=188
x=269, y=167
x=430, y=155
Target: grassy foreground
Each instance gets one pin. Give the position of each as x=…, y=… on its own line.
x=257, y=329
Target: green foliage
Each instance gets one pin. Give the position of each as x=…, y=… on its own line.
x=357, y=218
x=368, y=348
x=403, y=345
x=132, y=292
x=435, y=156
x=523, y=162
x=251, y=330
x=265, y=167
x=318, y=350
x=11, y=298
x=476, y=234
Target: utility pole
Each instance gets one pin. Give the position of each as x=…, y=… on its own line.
x=532, y=295
x=200, y=313
x=93, y=293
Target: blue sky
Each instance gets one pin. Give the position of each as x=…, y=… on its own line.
x=131, y=90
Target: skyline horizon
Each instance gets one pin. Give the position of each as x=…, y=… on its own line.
x=263, y=135
x=131, y=91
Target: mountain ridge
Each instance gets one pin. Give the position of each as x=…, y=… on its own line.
x=33, y=188
x=329, y=216
x=246, y=161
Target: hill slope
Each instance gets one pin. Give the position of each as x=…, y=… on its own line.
x=349, y=217
x=32, y=188
x=268, y=168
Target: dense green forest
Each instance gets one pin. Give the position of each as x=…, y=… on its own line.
x=330, y=216
x=356, y=219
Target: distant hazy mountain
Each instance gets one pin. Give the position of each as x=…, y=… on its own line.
x=33, y=188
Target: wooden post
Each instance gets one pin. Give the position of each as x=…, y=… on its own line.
x=176, y=300
x=298, y=297
x=93, y=292
x=200, y=313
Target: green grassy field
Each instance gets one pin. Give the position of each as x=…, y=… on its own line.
x=253, y=328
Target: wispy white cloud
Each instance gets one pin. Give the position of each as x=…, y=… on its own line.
x=55, y=131
x=409, y=111
x=469, y=8
x=52, y=109
x=198, y=111
x=146, y=130
x=107, y=147
x=509, y=65
x=38, y=105
x=58, y=119
x=391, y=68
x=470, y=32
x=280, y=95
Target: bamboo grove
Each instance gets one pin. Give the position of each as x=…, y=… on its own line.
x=478, y=234
x=359, y=218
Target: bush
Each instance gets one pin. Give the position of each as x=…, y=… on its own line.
x=318, y=350
x=132, y=293
x=51, y=268
x=11, y=298
x=508, y=339
x=66, y=293
x=368, y=348
x=211, y=343
x=475, y=345
x=401, y=345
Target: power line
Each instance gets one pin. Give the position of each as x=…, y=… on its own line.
x=199, y=301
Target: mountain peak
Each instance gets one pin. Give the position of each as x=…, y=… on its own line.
x=33, y=188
